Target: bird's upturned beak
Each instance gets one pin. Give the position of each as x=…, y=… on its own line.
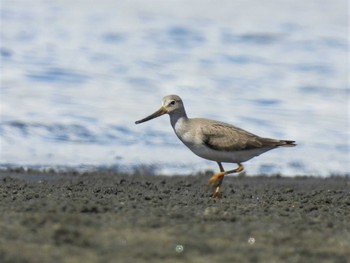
x=158, y=113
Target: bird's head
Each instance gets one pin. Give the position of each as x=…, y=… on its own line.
x=170, y=105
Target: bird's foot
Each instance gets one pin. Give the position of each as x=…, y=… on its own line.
x=216, y=195
x=216, y=179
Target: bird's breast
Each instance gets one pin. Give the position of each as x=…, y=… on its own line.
x=186, y=133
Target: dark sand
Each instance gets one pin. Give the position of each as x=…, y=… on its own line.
x=109, y=217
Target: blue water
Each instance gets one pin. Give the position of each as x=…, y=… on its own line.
x=76, y=75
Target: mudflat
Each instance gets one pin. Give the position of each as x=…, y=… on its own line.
x=112, y=217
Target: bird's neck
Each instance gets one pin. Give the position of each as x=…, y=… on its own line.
x=178, y=116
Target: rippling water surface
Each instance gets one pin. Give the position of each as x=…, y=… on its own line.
x=77, y=74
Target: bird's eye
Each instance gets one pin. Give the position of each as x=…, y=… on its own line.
x=172, y=103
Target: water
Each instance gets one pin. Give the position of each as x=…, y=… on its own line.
x=75, y=75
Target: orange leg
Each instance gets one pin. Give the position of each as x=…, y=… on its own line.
x=216, y=179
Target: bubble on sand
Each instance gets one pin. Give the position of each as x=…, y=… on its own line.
x=179, y=248
x=251, y=240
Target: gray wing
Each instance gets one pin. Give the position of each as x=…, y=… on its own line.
x=225, y=137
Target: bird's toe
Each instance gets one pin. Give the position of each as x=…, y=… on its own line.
x=216, y=195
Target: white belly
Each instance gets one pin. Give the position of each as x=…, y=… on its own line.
x=225, y=156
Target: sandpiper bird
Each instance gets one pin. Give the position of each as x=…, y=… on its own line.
x=215, y=140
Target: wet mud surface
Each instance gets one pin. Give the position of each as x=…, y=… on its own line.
x=110, y=217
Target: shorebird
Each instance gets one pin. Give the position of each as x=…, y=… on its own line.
x=214, y=140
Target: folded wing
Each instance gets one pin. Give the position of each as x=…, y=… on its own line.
x=225, y=137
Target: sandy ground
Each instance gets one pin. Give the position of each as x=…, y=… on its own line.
x=110, y=217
